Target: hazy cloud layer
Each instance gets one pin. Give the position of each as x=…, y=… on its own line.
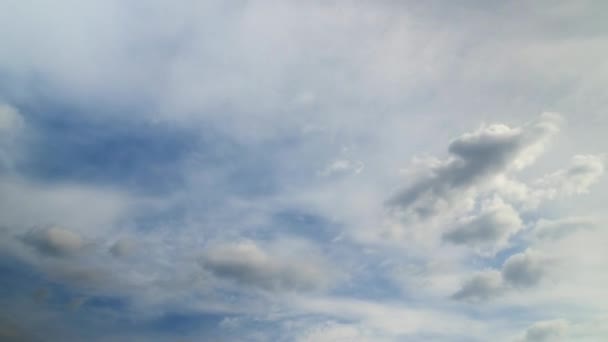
x=303, y=171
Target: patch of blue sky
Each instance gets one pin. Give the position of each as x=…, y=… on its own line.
x=145, y=157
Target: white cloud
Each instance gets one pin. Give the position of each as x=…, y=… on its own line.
x=336, y=332
x=584, y=171
x=393, y=321
x=341, y=167
x=560, y=228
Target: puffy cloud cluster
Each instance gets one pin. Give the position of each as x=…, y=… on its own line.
x=475, y=160
x=473, y=199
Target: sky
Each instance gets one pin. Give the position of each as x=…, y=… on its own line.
x=303, y=170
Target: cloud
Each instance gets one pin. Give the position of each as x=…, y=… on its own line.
x=336, y=332
x=475, y=159
x=545, y=331
x=519, y=271
x=488, y=230
x=54, y=241
x=583, y=172
x=482, y=286
x=342, y=167
x=122, y=248
x=11, y=125
x=248, y=264
x=80, y=206
x=10, y=120
x=557, y=229
x=525, y=269
x=11, y=332
x=260, y=73
x=389, y=318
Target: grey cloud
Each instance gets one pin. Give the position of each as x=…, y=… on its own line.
x=11, y=124
x=474, y=159
x=122, y=248
x=11, y=332
x=490, y=229
x=480, y=287
x=82, y=276
x=247, y=264
x=524, y=269
x=10, y=120
x=521, y=270
x=546, y=331
x=54, y=241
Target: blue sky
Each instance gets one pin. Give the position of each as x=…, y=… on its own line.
x=303, y=171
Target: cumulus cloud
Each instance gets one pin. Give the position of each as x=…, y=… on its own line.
x=482, y=286
x=525, y=269
x=543, y=331
x=248, y=264
x=519, y=271
x=54, y=241
x=475, y=158
x=489, y=229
